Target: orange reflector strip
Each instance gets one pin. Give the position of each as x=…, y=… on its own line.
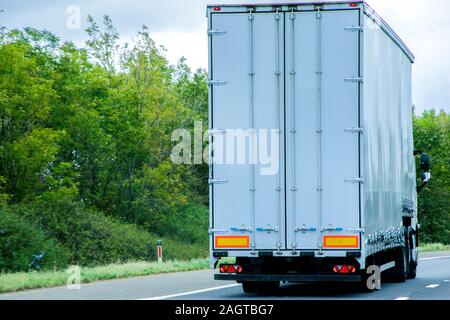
x=341, y=241
x=232, y=242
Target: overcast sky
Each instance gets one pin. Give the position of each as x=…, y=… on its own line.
x=180, y=26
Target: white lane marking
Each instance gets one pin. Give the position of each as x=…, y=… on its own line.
x=403, y=298
x=387, y=266
x=432, y=286
x=191, y=292
x=434, y=258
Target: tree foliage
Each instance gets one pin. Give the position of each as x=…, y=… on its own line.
x=85, y=141
x=432, y=135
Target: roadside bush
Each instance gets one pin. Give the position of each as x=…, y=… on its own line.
x=432, y=135
x=20, y=240
x=189, y=224
x=94, y=238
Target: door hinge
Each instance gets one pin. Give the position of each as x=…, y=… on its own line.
x=217, y=82
x=354, y=130
x=354, y=28
x=354, y=180
x=354, y=79
x=214, y=32
x=217, y=181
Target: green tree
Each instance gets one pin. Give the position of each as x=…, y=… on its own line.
x=85, y=142
x=432, y=135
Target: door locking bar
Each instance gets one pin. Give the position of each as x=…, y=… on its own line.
x=354, y=79
x=330, y=228
x=217, y=231
x=214, y=132
x=305, y=229
x=354, y=130
x=354, y=180
x=217, y=181
x=267, y=229
x=241, y=229
x=214, y=32
x=217, y=82
x=354, y=28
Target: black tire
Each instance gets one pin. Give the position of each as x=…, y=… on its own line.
x=260, y=286
x=412, y=273
x=412, y=270
x=269, y=287
x=249, y=286
x=400, y=271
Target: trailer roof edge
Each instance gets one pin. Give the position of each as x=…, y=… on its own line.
x=387, y=28
x=286, y=3
x=367, y=10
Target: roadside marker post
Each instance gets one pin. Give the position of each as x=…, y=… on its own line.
x=159, y=251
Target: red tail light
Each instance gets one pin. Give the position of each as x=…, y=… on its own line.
x=217, y=8
x=229, y=268
x=223, y=268
x=351, y=269
x=353, y=5
x=344, y=269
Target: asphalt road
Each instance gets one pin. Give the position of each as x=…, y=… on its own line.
x=432, y=283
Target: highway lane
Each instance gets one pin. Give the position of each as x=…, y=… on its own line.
x=432, y=283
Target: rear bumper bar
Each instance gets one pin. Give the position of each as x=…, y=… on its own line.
x=288, y=278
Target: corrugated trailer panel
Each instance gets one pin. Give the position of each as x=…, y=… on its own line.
x=389, y=182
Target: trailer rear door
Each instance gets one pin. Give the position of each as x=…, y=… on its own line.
x=322, y=58
x=247, y=92
x=298, y=73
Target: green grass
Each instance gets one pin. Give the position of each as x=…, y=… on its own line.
x=431, y=247
x=10, y=282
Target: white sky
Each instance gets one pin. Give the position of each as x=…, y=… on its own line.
x=180, y=26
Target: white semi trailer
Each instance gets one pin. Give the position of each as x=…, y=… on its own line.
x=332, y=81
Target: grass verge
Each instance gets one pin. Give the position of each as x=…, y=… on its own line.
x=11, y=282
x=432, y=247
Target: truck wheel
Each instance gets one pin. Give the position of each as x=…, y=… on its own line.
x=260, y=287
x=412, y=271
x=269, y=287
x=249, y=286
x=400, y=271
